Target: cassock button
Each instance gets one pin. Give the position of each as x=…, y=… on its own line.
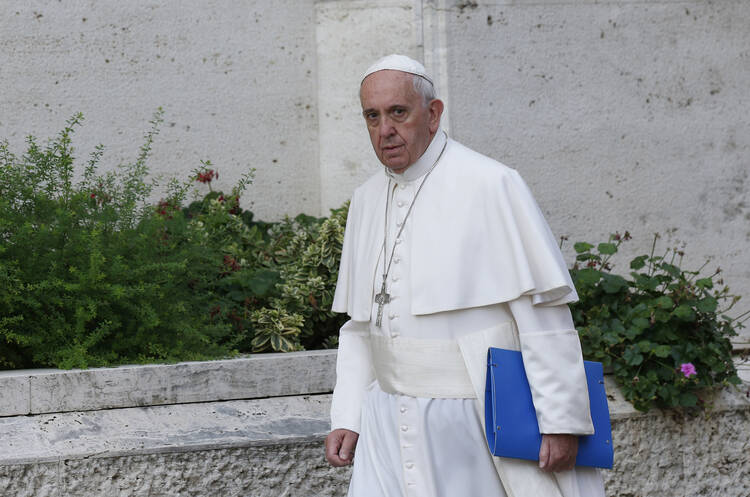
x=396, y=260
x=398, y=240
x=392, y=316
x=409, y=465
x=404, y=428
x=395, y=278
x=401, y=203
x=402, y=186
x=403, y=409
x=399, y=223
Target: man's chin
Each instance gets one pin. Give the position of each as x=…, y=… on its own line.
x=395, y=164
x=397, y=168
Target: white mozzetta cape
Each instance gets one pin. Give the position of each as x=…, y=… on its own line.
x=479, y=238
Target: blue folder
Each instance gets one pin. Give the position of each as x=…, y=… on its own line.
x=510, y=418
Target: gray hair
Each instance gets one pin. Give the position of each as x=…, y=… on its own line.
x=424, y=88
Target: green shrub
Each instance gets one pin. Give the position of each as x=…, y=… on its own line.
x=307, y=252
x=661, y=329
x=92, y=274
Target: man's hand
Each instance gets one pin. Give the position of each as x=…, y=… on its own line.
x=558, y=452
x=340, y=446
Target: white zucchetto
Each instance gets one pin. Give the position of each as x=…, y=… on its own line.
x=396, y=62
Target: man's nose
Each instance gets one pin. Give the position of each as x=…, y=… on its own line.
x=386, y=127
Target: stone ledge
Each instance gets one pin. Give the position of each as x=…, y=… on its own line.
x=297, y=470
x=45, y=438
x=42, y=391
x=217, y=425
x=274, y=447
x=259, y=376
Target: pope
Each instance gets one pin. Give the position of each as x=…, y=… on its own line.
x=445, y=254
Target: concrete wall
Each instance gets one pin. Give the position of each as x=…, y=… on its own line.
x=236, y=80
x=620, y=114
x=351, y=34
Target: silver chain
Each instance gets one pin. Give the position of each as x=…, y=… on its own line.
x=387, y=267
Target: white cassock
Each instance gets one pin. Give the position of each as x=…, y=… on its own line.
x=475, y=266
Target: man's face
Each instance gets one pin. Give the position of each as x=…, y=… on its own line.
x=400, y=125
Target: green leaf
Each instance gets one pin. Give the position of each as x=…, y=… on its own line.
x=581, y=247
x=638, y=262
x=645, y=346
x=617, y=326
x=671, y=269
x=641, y=323
x=588, y=257
x=260, y=342
x=707, y=283
x=662, y=316
x=607, y=248
x=589, y=276
x=280, y=343
x=662, y=350
x=611, y=338
x=645, y=282
x=684, y=312
x=263, y=281
x=688, y=399
x=664, y=302
x=632, y=356
x=612, y=283
x=632, y=333
x=707, y=304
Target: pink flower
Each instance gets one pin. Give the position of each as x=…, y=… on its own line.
x=688, y=369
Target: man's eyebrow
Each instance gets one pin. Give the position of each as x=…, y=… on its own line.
x=389, y=109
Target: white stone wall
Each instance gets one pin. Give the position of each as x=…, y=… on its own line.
x=620, y=114
x=351, y=34
x=236, y=81
x=662, y=455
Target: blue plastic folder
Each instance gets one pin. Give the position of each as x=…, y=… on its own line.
x=510, y=418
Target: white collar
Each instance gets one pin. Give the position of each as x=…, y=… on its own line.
x=424, y=163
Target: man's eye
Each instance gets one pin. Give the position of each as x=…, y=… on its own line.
x=399, y=112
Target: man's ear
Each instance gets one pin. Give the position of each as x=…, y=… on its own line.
x=436, y=110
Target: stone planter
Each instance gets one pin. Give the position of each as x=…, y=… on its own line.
x=254, y=427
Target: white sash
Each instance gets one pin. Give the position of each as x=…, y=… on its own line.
x=421, y=368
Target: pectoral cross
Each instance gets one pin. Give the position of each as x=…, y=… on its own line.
x=382, y=298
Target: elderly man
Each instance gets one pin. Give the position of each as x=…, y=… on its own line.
x=445, y=254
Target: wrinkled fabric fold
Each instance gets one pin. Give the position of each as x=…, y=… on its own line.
x=446, y=460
